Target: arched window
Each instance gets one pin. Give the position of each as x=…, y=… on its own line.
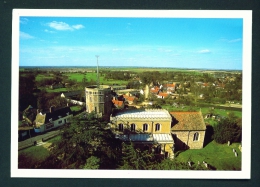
x=196, y=136
x=145, y=127
x=157, y=127
x=133, y=127
x=120, y=127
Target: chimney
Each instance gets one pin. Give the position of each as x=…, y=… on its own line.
x=52, y=109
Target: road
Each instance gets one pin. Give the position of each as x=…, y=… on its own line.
x=30, y=141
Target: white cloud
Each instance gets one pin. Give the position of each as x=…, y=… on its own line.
x=62, y=26
x=78, y=26
x=235, y=40
x=204, y=51
x=24, y=35
x=48, y=31
x=230, y=41
x=24, y=20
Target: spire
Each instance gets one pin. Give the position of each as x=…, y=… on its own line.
x=97, y=72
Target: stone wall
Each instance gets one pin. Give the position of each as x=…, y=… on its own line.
x=185, y=139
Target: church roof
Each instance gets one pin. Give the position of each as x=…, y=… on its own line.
x=158, y=138
x=188, y=121
x=145, y=114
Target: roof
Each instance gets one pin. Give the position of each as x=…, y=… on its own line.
x=117, y=102
x=129, y=98
x=163, y=94
x=169, y=85
x=69, y=94
x=148, y=114
x=188, y=121
x=161, y=138
x=56, y=114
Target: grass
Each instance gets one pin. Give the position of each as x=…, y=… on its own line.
x=56, y=90
x=40, y=77
x=39, y=153
x=75, y=108
x=204, y=110
x=220, y=156
x=93, y=76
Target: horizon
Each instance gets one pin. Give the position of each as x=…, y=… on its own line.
x=180, y=68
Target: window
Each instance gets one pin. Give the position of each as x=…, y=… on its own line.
x=145, y=127
x=157, y=127
x=60, y=121
x=133, y=127
x=196, y=136
x=120, y=127
x=90, y=99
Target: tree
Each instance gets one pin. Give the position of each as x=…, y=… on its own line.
x=84, y=137
x=135, y=158
x=92, y=163
x=227, y=130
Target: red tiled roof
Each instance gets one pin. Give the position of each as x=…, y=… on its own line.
x=118, y=103
x=188, y=121
x=131, y=98
x=163, y=94
x=169, y=85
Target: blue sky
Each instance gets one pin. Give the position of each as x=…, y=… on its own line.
x=154, y=42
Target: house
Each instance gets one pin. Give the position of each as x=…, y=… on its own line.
x=129, y=99
x=74, y=94
x=162, y=95
x=170, y=88
x=118, y=104
x=148, y=129
x=56, y=85
x=188, y=130
x=52, y=119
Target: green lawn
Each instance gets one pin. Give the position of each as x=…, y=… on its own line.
x=220, y=156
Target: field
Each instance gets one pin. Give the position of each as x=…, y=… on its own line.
x=93, y=76
x=204, y=111
x=219, y=156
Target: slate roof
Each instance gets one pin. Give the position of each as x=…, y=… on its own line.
x=188, y=121
x=160, y=138
x=70, y=94
x=144, y=114
x=56, y=114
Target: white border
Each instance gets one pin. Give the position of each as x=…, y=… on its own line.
x=245, y=173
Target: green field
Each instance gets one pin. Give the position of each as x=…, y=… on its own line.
x=93, y=76
x=220, y=156
x=40, y=77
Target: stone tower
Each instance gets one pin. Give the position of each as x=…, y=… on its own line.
x=98, y=100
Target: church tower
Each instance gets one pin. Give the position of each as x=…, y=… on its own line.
x=99, y=98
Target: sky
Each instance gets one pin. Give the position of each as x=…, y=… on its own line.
x=212, y=43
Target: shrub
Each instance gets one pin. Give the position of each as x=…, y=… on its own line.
x=227, y=130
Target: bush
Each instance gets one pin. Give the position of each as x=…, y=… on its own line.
x=227, y=130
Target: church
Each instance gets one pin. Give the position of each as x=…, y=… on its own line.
x=154, y=130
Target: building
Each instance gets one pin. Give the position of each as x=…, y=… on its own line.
x=52, y=119
x=147, y=128
x=188, y=130
x=99, y=100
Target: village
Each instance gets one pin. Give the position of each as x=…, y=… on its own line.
x=163, y=113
